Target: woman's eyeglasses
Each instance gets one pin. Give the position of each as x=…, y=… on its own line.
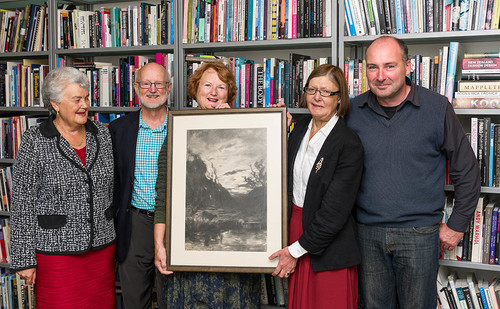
x=323, y=93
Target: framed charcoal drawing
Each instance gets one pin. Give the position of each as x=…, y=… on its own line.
x=226, y=189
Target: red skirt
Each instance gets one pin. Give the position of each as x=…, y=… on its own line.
x=326, y=289
x=76, y=281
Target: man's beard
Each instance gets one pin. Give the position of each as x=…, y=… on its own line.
x=151, y=105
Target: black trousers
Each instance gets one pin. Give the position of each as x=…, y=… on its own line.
x=138, y=272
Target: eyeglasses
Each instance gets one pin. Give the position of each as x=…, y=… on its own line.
x=148, y=84
x=323, y=93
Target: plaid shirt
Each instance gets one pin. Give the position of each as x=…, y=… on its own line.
x=148, y=147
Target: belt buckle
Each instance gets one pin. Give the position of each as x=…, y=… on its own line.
x=150, y=213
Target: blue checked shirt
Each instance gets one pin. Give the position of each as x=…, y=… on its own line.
x=148, y=147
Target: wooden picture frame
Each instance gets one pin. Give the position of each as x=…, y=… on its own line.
x=226, y=189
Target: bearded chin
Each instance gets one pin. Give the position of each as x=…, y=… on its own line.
x=151, y=105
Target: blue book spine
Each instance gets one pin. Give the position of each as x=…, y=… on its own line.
x=399, y=18
x=450, y=73
x=16, y=74
x=250, y=20
x=237, y=67
x=351, y=77
x=172, y=10
x=460, y=293
x=483, y=298
x=286, y=18
x=414, y=14
x=257, y=20
x=229, y=21
x=492, y=147
x=13, y=87
x=493, y=238
x=350, y=22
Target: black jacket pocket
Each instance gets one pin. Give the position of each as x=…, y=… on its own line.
x=52, y=221
x=109, y=213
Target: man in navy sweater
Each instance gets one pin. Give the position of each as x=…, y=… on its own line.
x=408, y=132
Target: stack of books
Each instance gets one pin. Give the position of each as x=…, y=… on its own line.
x=14, y=292
x=22, y=82
x=480, y=243
x=375, y=17
x=479, y=86
x=24, y=30
x=467, y=291
x=254, y=20
x=134, y=25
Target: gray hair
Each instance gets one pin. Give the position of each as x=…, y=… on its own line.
x=56, y=82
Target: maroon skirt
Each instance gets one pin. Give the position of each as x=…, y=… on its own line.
x=76, y=281
x=308, y=289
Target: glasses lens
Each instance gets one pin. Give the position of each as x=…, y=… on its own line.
x=325, y=93
x=144, y=85
x=160, y=85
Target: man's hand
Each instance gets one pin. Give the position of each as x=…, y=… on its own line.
x=448, y=237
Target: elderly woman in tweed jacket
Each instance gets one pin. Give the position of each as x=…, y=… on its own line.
x=62, y=228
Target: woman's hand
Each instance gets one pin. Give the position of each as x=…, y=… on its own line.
x=286, y=264
x=222, y=106
x=160, y=251
x=29, y=275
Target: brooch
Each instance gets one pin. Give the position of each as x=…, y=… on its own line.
x=319, y=164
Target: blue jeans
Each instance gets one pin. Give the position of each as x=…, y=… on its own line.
x=398, y=265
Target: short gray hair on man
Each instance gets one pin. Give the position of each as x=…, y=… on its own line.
x=56, y=82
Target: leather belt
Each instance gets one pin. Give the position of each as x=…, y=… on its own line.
x=149, y=213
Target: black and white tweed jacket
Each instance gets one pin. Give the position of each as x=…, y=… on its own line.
x=59, y=206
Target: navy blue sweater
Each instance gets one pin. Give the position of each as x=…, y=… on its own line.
x=405, y=160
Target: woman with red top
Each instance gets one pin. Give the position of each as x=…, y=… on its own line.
x=325, y=163
x=62, y=234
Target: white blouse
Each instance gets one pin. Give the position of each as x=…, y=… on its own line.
x=304, y=161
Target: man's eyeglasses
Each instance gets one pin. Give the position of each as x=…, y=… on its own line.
x=147, y=84
x=323, y=93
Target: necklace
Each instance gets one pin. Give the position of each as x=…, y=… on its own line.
x=72, y=145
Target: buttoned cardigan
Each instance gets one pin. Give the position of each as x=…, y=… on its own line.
x=60, y=206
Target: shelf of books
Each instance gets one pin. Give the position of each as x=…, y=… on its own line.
x=414, y=17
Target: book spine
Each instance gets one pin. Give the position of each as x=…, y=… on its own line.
x=480, y=63
x=450, y=74
x=494, y=226
x=464, y=15
x=478, y=230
